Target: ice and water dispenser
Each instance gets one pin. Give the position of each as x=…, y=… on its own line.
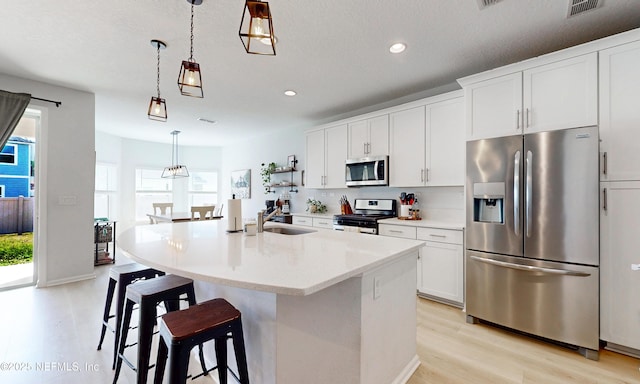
x=488, y=202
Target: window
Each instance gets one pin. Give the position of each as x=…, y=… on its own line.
x=9, y=154
x=203, y=188
x=151, y=188
x=105, y=204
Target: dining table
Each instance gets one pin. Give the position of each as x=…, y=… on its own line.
x=175, y=217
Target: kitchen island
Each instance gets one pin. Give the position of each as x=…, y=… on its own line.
x=318, y=307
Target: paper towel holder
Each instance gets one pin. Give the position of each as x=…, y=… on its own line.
x=237, y=226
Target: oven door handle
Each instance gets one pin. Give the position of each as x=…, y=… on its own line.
x=531, y=268
x=375, y=170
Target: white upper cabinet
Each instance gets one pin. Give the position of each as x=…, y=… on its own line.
x=620, y=112
x=561, y=95
x=369, y=137
x=445, y=143
x=558, y=95
x=407, y=150
x=493, y=107
x=427, y=146
x=326, y=151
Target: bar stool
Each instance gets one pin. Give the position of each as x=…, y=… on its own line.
x=148, y=294
x=180, y=331
x=119, y=278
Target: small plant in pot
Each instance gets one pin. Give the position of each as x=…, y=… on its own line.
x=265, y=173
x=315, y=206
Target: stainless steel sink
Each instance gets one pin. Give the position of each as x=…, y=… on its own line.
x=288, y=231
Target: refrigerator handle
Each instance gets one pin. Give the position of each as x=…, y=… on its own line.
x=530, y=268
x=528, y=192
x=516, y=193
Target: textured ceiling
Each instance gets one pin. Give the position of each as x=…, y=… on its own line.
x=334, y=53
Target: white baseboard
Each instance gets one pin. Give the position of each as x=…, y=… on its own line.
x=408, y=371
x=66, y=280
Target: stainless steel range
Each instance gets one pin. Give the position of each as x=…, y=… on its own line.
x=365, y=216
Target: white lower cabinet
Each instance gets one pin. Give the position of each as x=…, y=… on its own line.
x=441, y=261
x=317, y=222
x=302, y=220
x=619, y=251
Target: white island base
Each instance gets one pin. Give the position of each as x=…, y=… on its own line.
x=341, y=334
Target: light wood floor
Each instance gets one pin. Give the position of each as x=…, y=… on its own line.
x=49, y=336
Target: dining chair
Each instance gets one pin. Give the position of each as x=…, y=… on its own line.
x=218, y=211
x=163, y=207
x=202, y=211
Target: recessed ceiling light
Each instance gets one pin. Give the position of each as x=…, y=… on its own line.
x=397, y=47
x=204, y=120
x=290, y=93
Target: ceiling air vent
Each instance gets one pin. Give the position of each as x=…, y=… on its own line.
x=482, y=4
x=577, y=7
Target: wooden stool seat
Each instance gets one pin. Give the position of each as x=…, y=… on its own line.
x=120, y=277
x=148, y=294
x=180, y=331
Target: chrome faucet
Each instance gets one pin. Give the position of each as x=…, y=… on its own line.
x=262, y=219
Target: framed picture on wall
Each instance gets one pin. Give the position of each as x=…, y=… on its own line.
x=241, y=183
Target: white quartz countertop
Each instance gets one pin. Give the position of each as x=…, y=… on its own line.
x=271, y=262
x=426, y=223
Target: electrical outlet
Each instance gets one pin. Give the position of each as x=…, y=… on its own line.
x=376, y=287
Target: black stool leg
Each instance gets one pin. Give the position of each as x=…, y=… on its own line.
x=145, y=334
x=107, y=308
x=241, y=356
x=120, y=301
x=221, y=358
x=126, y=319
x=161, y=361
x=178, y=364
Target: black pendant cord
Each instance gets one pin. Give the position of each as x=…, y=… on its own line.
x=57, y=103
x=158, y=72
x=191, y=51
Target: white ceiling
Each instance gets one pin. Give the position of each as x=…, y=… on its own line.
x=334, y=53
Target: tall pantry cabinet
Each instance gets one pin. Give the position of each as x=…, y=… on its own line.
x=620, y=201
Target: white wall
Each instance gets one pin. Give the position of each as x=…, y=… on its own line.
x=65, y=166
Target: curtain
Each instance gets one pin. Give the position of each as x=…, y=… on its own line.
x=12, y=106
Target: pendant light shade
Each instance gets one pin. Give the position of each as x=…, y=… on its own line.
x=158, y=106
x=175, y=170
x=256, y=29
x=189, y=79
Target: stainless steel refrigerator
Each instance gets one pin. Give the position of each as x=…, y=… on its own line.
x=532, y=247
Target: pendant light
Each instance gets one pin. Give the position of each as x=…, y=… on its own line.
x=189, y=79
x=256, y=29
x=157, y=106
x=175, y=170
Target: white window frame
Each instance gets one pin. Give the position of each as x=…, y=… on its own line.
x=110, y=192
x=166, y=194
x=15, y=154
x=193, y=193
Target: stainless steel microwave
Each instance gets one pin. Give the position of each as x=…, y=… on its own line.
x=367, y=171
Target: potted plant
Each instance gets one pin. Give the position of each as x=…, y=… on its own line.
x=315, y=206
x=265, y=173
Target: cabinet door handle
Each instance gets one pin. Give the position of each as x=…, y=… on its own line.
x=302, y=177
x=517, y=120
x=528, y=121
x=426, y=173
x=604, y=163
x=395, y=231
x=364, y=148
x=434, y=235
x=604, y=199
x=422, y=175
